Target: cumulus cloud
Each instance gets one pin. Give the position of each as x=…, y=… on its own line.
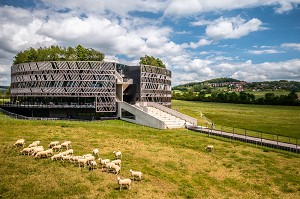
x=193, y=7
x=231, y=28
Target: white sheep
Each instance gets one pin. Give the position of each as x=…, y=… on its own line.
x=95, y=152
x=82, y=161
x=56, y=157
x=65, y=145
x=26, y=151
x=90, y=159
x=69, y=152
x=33, y=145
x=124, y=182
x=136, y=174
x=49, y=152
x=209, y=148
x=103, y=161
x=109, y=166
x=20, y=142
x=54, y=143
x=56, y=148
x=118, y=154
x=117, y=162
x=116, y=169
x=65, y=157
x=74, y=159
x=87, y=155
x=37, y=142
x=41, y=154
x=36, y=149
x=93, y=165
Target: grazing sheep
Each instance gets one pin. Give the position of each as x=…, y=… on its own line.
x=41, y=154
x=37, y=142
x=26, y=151
x=209, y=148
x=56, y=148
x=56, y=157
x=35, y=150
x=65, y=157
x=49, y=152
x=118, y=154
x=136, y=174
x=116, y=169
x=93, y=165
x=54, y=143
x=109, y=166
x=95, y=152
x=74, y=159
x=65, y=145
x=103, y=162
x=20, y=142
x=90, y=159
x=82, y=161
x=69, y=152
x=33, y=145
x=124, y=182
x=87, y=155
x=117, y=162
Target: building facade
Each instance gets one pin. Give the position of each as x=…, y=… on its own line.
x=84, y=89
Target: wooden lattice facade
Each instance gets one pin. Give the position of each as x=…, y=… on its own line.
x=93, y=85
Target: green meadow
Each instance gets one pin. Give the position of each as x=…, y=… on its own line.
x=267, y=120
x=174, y=163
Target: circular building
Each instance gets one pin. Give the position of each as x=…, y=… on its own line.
x=84, y=89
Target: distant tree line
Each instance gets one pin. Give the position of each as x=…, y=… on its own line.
x=240, y=98
x=150, y=60
x=57, y=53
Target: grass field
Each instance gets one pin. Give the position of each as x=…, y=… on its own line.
x=256, y=119
x=174, y=163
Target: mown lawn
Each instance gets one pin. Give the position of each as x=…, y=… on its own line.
x=174, y=163
x=279, y=120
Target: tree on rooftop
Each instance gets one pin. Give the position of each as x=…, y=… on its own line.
x=150, y=60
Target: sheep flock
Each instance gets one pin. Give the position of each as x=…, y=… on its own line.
x=62, y=151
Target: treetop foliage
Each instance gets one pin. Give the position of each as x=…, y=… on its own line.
x=57, y=53
x=150, y=60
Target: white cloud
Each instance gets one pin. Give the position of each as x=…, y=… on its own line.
x=267, y=51
x=232, y=28
x=194, y=7
x=295, y=46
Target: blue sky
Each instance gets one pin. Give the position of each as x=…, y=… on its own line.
x=253, y=40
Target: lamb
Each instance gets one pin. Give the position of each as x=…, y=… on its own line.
x=56, y=148
x=41, y=154
x=54, y=143
x=116, y=169
x=103, y=162
x=124, y=182
x=136, y=174
x=118, y=154
x=117, y=162
x=209, y=148
x=95, y=152
x=20, y=142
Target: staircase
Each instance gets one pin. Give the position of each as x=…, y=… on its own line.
x=156, y=116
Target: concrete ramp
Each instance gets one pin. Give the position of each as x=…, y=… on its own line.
x=154, y=115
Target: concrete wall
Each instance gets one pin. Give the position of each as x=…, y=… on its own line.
x=141, y=117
